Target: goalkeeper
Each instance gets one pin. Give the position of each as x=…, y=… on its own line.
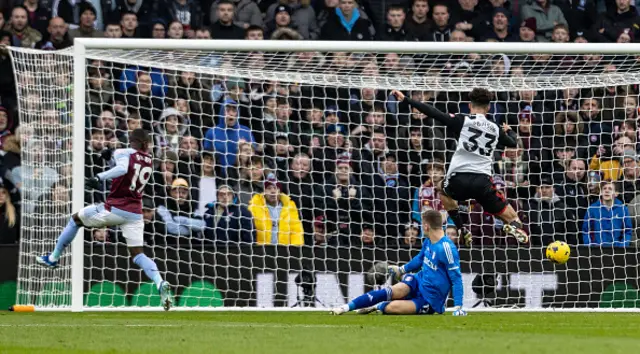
x=425, y=292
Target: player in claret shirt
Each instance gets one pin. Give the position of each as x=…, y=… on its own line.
x=123, y=208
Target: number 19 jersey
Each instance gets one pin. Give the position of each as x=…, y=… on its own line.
x=477, y=142
x=126, y=190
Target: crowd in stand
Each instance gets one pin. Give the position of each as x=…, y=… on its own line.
x=271, y=162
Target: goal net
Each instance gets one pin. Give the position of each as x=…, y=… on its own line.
x=352, y=167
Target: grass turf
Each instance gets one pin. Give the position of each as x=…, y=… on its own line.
x=311, y=333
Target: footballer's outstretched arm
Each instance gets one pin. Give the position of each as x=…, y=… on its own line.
x=121, y=157
x=427, y=109
x=507, y=136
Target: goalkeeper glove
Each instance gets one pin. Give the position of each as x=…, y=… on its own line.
x=93, y=182
x=395, y=272
x=458, y=311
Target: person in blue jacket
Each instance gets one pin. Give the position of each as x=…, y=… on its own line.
x=607, y=222
x=227, y=221
x=223, y=139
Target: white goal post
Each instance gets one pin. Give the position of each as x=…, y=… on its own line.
x=332, y=78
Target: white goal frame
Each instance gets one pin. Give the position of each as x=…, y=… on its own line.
x=79, y=53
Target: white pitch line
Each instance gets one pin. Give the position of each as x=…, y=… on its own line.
x=212, y=324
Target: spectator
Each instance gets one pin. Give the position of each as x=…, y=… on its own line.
x=547, y=16
x=625, y=36
x=395, y=30
x=471, y=19
x=608, y=160
x=186, y=12
x=57, y=36
x=96, y=158
x=155, y=232
x=370, y=155
x=243, y=160
x=163, y=177
x=573, y=188
x=333, y=147
x=177, y=213
x=22, y=35
x=528, y=29
x=170, y=128
x=207, y=185
x=7, y=79
x=276, y=216
x=560, y=34
x=513, y=167
x=39, y=15
x=418, y=24
x=6, y=126
x=87, y=21
x=203, y=33
x=246, y=14
x=142, y=93
x=189, y=160
x=347, y=205
x=609, y=25
x=38, y=176
x=145, y=10
x=250, y=181
x=129, y=24
x=9, y=218
x=113, y=30
x=322, y=236
x=607, y=222
x=228, y=221
x=176, y=30
x=550, y=218
x=10, y=156
x=442, y=26
x=569, y=132
x=158, y=29
x=347, y=24
x=281, y=25
x=500, y=26
x=131, y=123
x=411, y=237
x=70, y=11
x=630, y=182
x=254, y=33
x=391, y=200
x=427, y=196
x=224, y=138
x=300, y=187
x=599, y=133
x=580, y=15
x=224, y=28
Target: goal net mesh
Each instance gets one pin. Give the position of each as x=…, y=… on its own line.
x=353, y=166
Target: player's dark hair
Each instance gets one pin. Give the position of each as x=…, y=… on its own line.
x=140, y=136
x=433, y=218
x=480, y=97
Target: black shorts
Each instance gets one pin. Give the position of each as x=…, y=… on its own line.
x=464, y=186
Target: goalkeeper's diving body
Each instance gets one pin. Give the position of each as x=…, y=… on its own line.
x=426, y=291
x=469, y=173
x=123, y=208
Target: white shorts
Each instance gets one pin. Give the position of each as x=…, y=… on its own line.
x=131, y=224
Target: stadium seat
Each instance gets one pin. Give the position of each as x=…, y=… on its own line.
x=620, y=295
x=105, y=294
x=50, y=295
x=201, y=294
x=8, y=291
x=146, y=295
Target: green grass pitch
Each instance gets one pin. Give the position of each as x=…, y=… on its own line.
x=316, y=332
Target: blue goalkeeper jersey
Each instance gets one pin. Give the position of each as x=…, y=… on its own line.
x=440, y=273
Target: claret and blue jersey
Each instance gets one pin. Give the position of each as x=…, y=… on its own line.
x=439, y=272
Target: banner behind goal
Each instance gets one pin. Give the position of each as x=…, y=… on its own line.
x=354, y=167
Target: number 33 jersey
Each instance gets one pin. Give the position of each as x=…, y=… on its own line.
x=478, y=138
x=126, y=190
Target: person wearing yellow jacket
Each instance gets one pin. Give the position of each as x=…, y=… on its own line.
x=270, y=206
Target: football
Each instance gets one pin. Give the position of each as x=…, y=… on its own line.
x=558, y=252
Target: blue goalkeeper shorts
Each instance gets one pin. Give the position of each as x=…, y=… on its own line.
x=422, y=306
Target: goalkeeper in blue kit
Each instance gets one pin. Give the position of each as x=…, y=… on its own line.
x=424, y=292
